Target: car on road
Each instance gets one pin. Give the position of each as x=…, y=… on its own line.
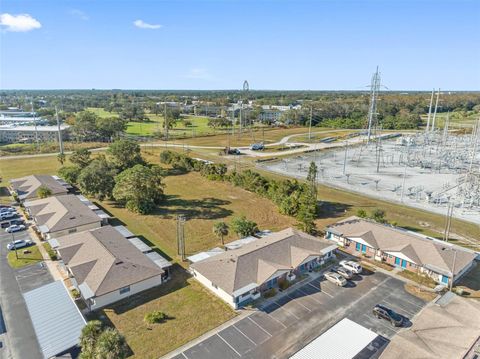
x=335, y=278
x=344, y=272
x=15, y=228
x=352, y=266
x=19, y=243
x=382, y=312
x=257, y=147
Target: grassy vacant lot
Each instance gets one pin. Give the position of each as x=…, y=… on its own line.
x=203, y=202
x=24, y=259
x=191, y=310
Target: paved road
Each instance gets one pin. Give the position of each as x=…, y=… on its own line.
x=285, y=325
x=21, y=341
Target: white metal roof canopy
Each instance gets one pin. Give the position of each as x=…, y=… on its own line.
x=342, y=341
x=56, y=319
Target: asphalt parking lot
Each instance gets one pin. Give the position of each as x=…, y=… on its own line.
x=19, y=339
x=286, y=324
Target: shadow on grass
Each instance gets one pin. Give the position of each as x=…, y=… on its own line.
x=178, y=281
x=332, y=210
x=205, y=208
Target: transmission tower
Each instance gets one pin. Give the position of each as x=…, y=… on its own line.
x=181, y=219
x=246, y=88
x=372, y=112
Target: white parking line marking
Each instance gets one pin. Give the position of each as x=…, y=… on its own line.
x=244, y=335
x=412, y=303
x=258, y=325
x=185, y=355
x=397, y=308
x=285, y=309
x=390, y=329
x=294, y=300
x=321, y=290
x=228, y=344
x=310, y=296
x=275, y=319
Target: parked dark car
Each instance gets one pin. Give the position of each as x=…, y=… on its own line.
x=17, y=221
x=5, y=224
x=382, y=312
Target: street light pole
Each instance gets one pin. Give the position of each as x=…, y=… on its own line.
x=453, y=268
x=14, y=246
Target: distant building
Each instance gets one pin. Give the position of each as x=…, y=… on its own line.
x=26, y=187
x=403, y=249
x=106, y=267
x=28, y=134
x=239, y=276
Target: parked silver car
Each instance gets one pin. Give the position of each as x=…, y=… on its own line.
x=335, y=278
x=351, y=265
x=19, y=243
x=344, y=272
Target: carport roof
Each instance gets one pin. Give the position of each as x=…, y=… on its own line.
x=55, y=317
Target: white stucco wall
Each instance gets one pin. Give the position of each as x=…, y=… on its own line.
x=217, y=291
x=112, y=297
x=65, y=232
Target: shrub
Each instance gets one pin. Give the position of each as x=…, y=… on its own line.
x=270, y=293
x=75, y=293
x=155, y=317
x=362, y=213
x=284, y=284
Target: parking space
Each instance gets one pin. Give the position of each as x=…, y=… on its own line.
x=285, y=324
x=33, y=276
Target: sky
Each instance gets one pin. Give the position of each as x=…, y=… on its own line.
x=274, y=44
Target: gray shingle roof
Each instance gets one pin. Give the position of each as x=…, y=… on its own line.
x=421, y=250
x=257, y=261
x=105, y=260
x=61, y=212
x=26, y=187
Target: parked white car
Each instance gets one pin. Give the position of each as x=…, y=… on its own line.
x=7, y=215
x=335, y=278
x=15, y=228
x=7, y=209
x=19, y=243
x=351, y=265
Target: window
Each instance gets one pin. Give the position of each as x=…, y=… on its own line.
x=125, y=290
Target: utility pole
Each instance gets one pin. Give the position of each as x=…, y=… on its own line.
x=310, y=127
x=403, y=181
x=35, y=124
x=60, y=142
x=181, y=236
x=345, y=157
x=165, y=120
x=435, y=111
x=429, y=111
x=448, y=222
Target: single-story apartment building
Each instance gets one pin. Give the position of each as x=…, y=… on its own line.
x=105, y=266
x=439, y=260
x=240, y=275
x=26, y=188
x=58, y=216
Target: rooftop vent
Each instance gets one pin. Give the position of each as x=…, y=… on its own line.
x=119, y=262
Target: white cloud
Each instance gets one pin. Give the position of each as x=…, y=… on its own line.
x=80, y=14
x=19, y=23
x=143, y=25
x=199, y=74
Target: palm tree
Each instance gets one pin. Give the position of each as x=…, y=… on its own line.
x=61, y=158
x=220, y=229
x=88, y=338
x=111, y=345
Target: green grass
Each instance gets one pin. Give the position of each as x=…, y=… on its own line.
x=420, y=279
x=24, y=259
x=190, y=308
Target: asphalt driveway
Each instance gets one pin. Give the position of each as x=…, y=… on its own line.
x=286, y=324
x=19, y=340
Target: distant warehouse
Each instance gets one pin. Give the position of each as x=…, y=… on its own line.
x=28, y=134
